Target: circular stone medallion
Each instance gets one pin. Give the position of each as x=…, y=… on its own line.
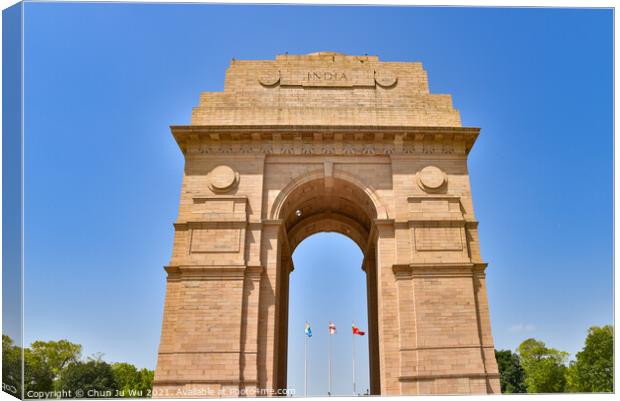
x=431, y=178
x=269, y=78
x=222, y=178
x=385, y=79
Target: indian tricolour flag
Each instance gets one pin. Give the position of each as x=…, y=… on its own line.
x=308, y=330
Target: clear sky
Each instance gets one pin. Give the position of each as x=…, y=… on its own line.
x=102, y=178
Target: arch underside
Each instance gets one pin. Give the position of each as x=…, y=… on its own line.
x=329, y=222
x=327, y=205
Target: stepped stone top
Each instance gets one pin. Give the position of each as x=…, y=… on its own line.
x=322, y=89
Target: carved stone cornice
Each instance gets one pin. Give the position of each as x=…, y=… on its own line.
x=254, y=272
x=457, y=375
x=183, y=382
x=201, y=272
x=437, y=222
x=348, y=140
x=408, y=271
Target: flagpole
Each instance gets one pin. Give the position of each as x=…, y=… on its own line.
x=329, y=392
x=353, y=342
x=305, y=365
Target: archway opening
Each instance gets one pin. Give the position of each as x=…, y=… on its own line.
x=326, y=286
x=329, y=205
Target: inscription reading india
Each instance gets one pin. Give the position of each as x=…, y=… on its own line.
x=327, y=76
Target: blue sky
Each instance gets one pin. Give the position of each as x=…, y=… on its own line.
x=102, y=172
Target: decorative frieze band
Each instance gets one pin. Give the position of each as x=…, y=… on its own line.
x=325, y=149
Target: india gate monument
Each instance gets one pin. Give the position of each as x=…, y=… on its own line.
x=325, y=142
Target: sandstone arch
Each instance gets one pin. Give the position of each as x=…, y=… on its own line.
x=373, y=155
x=339, y=203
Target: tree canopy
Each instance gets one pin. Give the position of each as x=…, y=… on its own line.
x=511, y=374
x=37, y=374
x=11, y=366
x=593, y=369
x=58, y=365
x=545, y=369
x=56, y=355
x=89, y=379
x=130, y=380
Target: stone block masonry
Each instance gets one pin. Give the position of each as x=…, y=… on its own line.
x=325, y=142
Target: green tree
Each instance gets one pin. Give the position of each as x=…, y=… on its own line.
x=88, y=379
x=56, y=354
x=593, y=369
x=37, y=374
x=11, y=366
x=126, y=376
x=545, y=369
x=146, y=380
x=131, y=381
x=511, y=374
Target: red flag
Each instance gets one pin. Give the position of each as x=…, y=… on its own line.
x=358, y=331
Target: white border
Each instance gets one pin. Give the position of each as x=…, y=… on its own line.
x=479, y=3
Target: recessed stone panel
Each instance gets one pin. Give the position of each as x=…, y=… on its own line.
x=438, y=239
x=208, y=240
